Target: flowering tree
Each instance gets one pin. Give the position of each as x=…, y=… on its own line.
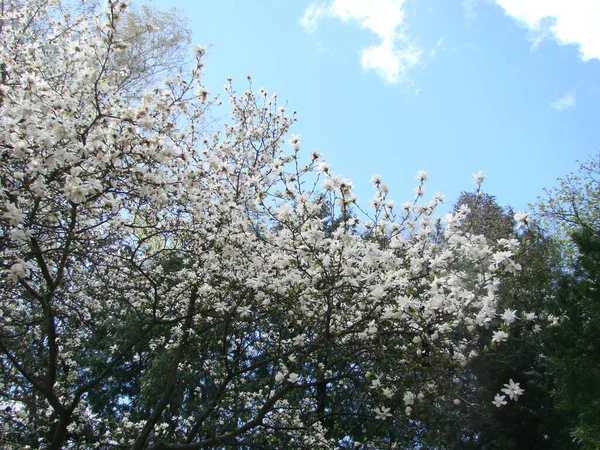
x=163, y=287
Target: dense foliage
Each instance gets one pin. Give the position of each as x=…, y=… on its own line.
x=572, y=209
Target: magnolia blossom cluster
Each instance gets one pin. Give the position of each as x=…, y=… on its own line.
x=163, y=284
x=512, y=390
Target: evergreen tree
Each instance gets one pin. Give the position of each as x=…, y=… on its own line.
x=574, y=345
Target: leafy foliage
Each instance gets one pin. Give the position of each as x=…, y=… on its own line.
x=573, y=209
x=574, y=345
x=573, y=205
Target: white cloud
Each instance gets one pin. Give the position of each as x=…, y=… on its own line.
x=311, y=16
x=470, y=7
x=567, y=21
x=394, y=55
x=565, y=102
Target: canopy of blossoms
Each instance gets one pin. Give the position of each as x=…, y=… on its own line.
x=170, y=284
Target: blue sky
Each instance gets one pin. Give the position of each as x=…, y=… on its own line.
x=507, y=87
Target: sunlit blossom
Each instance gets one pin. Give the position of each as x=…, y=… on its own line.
x=522, y=219
x=323, y=167
x=478, y=178
x=422, y=176
x=295, y=142
x=376, y=179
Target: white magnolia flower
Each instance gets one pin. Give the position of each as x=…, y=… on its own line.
x=499, y=336
x=553, y=320
x=279, y=377
x=478, y=178
x=409, y=398
x=295, y=141
x=75, y=192
x=522, y=218
x=513, y=390
x=530, y=317
x=509, y=316
x=299, y=340
x=422, y=175
x=244, y=311
x=200, y=50
x=323, y=167
x=376, y=383
x=284, y=212
x=13, y=214
x=499, y=400
x=17, y=271
x=382, y=413
x=19, y=235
